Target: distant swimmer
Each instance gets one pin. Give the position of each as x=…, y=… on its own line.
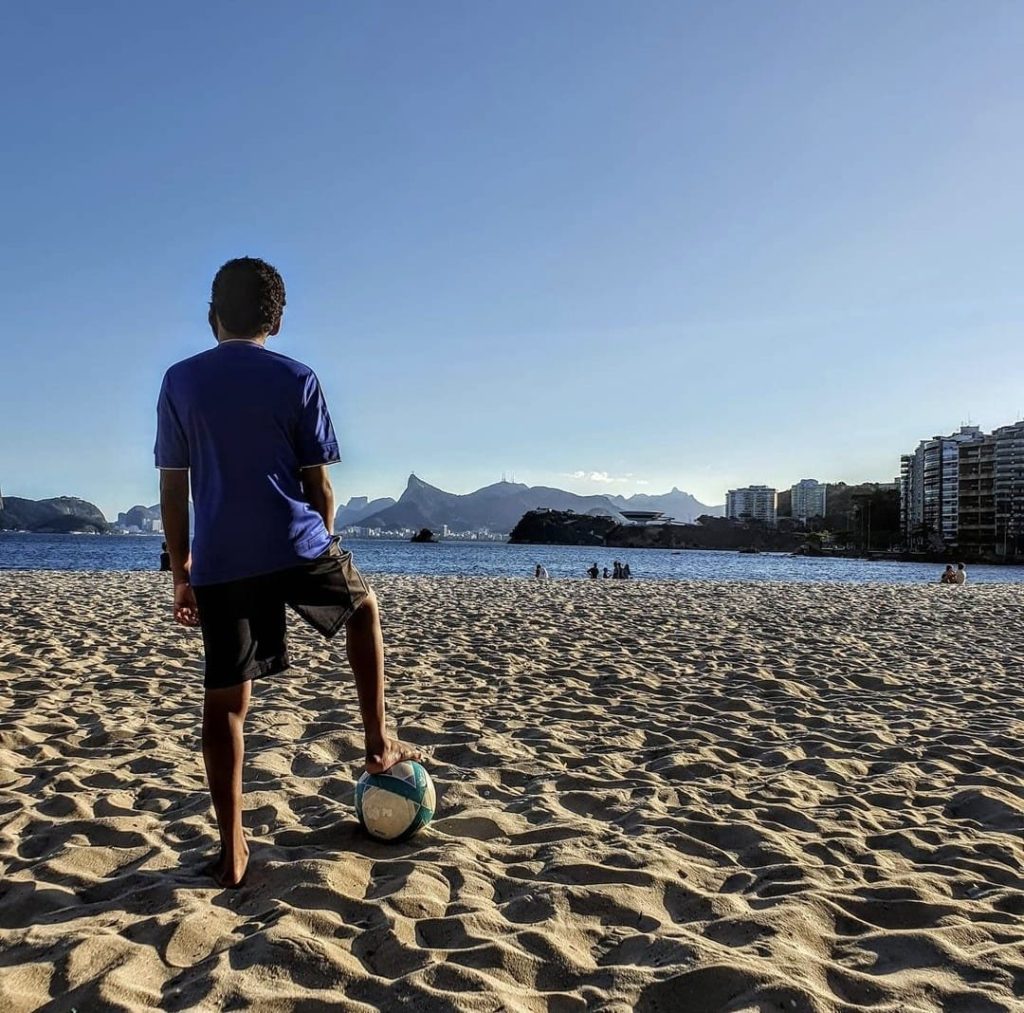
x=165, y=559
x=593, y=572
x=540, y=573
x=626, y=574
x=606, y=574
x=960, y=577
x=948, y=575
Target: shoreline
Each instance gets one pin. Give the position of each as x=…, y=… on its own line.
x=673, y=583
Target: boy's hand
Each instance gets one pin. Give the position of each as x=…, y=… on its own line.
x=186, y=611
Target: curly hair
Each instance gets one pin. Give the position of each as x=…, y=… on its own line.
x=247, y=297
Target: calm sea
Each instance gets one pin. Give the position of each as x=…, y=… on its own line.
x=496, y=559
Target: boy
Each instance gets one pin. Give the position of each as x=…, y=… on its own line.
x=251, y=429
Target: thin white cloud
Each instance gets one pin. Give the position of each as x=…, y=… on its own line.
x=603, y=477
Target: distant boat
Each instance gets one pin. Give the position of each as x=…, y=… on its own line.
x=750, y=552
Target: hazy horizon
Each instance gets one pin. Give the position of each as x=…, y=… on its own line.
x=110, y=511
x=608, y=249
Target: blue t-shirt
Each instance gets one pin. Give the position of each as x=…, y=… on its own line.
x=245, y=420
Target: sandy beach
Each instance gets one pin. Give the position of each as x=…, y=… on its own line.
x=662, y=797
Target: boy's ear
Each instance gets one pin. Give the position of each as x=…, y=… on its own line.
x=212, y=318
x=276, y=329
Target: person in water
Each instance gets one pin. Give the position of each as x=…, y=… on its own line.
x=165, y=558
x=249, y=430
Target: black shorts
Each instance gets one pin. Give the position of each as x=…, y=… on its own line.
x=243, y=621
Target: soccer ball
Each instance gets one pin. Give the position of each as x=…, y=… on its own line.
x=396, y=804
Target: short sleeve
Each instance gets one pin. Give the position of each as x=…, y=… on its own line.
x=315, y=442
x=171, y=450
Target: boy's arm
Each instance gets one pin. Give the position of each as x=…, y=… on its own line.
x=319, y=493
x=316, y=447
x=174, y=511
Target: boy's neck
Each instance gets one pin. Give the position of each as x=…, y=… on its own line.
x=223, y=337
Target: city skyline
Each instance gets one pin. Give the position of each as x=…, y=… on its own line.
x=604, y=485
x=607, y=249
x=111, y=509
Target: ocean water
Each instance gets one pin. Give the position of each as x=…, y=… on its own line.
x=497, y=559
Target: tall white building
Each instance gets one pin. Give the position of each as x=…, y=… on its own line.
x=808, y=499
x=755, y=502
x=930, y=488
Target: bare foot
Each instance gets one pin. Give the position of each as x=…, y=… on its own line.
x=229, y=874
x=383, y=755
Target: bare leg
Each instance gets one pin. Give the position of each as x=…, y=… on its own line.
x=223, y=750
x=365, y=647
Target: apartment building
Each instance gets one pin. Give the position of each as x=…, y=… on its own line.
x=807, y=499
x=754, y=502
x=1009, y=489
x=976, y=525
x=975, y=504
x=930, y=489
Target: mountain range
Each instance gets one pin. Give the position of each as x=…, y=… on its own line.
x=499, y=507
x=496, y=508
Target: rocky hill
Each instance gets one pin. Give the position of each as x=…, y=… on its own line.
x=135, y=516
x=138, y=516
x=560, y=527
x=555, y=527
x=358, y=508
x=58, y=515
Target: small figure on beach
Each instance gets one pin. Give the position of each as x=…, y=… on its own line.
x=626, y=574
x=605, y=575
x=226, y=419
x=165, y=559
x=951, y=576
x=593, y=572
x=540, y=573
x=616, y=570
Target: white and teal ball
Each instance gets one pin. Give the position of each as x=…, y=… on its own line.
x=396, y=804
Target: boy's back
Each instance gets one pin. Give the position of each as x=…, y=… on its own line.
x=245, y=421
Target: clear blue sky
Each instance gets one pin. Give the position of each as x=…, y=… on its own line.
x=664, y=243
